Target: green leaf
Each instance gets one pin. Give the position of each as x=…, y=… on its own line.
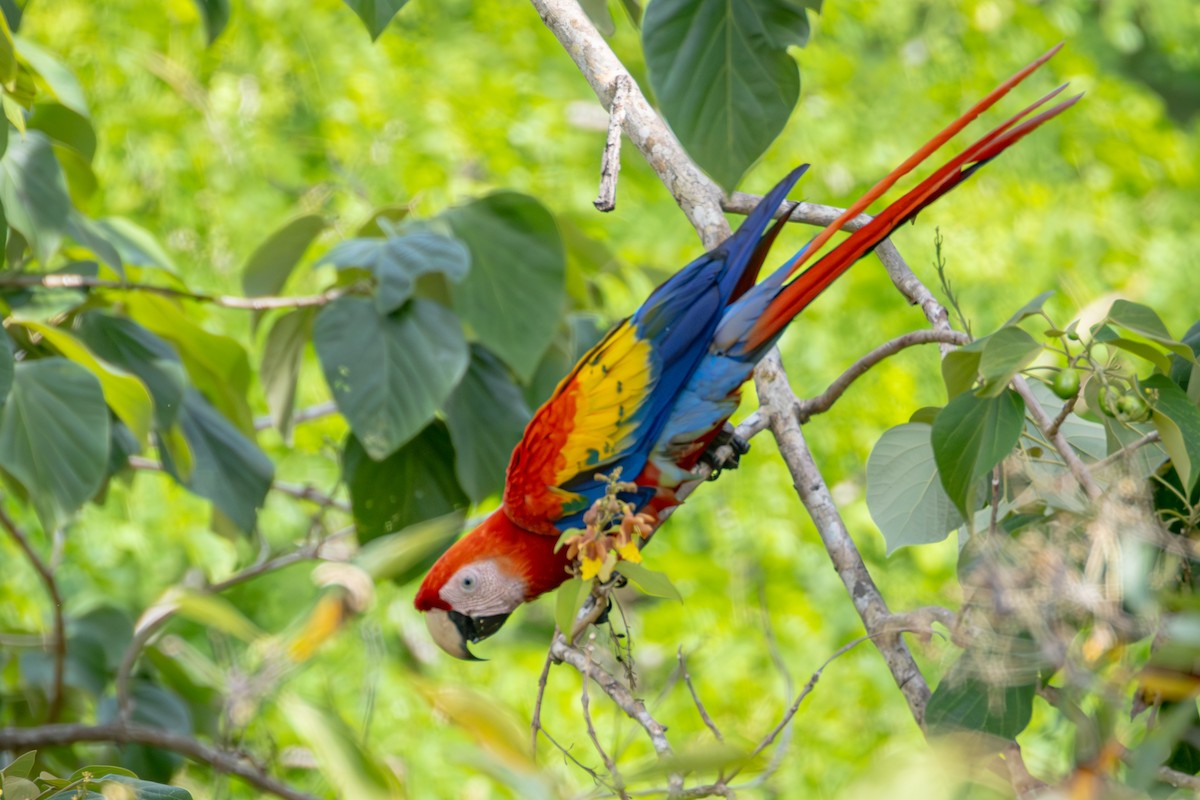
x=268, y=268
x=66, y=126
x=209, y=610
x=135, y=244
x=597, y=11
x=227, y=468
x=159, y=707
x=125, y=394
x=568, y=600
x=216, y=17
x=723, y=76
x=1031, y=308
x=17, y=788
x=486, y=415
x=63, y=84
x=77, y=171
x=970, y=436
x=1185, y=373
x=8, y=54
x=89, y=234
x=413, y=484
x=965, y=702
x=218, y=365
x=22, y=765
x=282, y=356
x=409, y=553
x=655, y=584
x=376, y=14
x=960, y=368
x=34, y=193
x=1146, y=352
x=1177, y=420
x=514, y=294
x=1145, y=321
x=1005, y=353
x=904, y=492
x=397, y=262
x=389, y=374
x=344, y=760
x=6, y=365
x=54, y=436
x=123, y=342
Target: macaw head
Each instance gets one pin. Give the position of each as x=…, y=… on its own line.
x=483, y=577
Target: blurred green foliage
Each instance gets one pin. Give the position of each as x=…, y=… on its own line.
x=292, y=110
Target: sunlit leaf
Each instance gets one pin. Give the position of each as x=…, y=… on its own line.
x=492, y=726
x=970, y=436
x=211, y=611
x=568, y=600
x=58, y=77
x=1005, y=353
x=514, y=294
x=904, y=492
x=1031, y=308
x=389, y=374
x=723, y=76
x=135, y=244
x=22, y=765
x=1177, y=420
x=651, y=582
x=123, y=342
x=486, y=415
x=125, y=394
x=960, y=369
x=54, y=436
x=413, y=484
x=376, y=14
x=1145, y=321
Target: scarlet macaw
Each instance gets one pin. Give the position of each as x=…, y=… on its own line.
x=653, y=394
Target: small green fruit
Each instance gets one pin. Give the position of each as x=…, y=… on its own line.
x=1066, y=384
x=1132, y=408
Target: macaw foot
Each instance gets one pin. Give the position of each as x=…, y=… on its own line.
x=726, y=437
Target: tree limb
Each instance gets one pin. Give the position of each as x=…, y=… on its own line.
x=134, y=733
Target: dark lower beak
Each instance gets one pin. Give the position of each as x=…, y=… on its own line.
x=452, y=631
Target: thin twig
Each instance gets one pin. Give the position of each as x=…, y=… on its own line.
x=20, y=739
x=610, y=165
x=535, y=724
x=1065, y=412
x=1179, y=779
x=687, y=679
x=66, y=281
x=634, y=708
x=1040, y=418
x=1127, y=450
x=58, y=638
x=326, y=409
x=609, y=764
x=824, y=401
x=1023, y=783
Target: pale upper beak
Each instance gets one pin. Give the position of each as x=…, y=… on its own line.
x=453, y=630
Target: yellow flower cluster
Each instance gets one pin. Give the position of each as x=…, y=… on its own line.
x=613, y=532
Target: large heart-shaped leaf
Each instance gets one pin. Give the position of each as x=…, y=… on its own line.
x=397, y=262
x=964, y=701
x=414, y=484
x=123, y=342
x=389, y=374
x=723, y=76
x=34, y=193
x=514, y=294
x=486, y=415
x=970, y=436
x=904, y=493
x=54, y=436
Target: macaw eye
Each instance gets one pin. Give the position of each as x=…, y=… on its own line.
x=468, y=583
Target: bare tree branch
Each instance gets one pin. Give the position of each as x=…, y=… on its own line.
x=67, y=281
x=326, y=409
x=610, y=166
x=777, y=397
x=58, y=637
x=609, y=764
x=687, y=679
x=132, y=733
x=806, y=409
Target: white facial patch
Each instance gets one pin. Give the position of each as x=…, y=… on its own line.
x=483, y=589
